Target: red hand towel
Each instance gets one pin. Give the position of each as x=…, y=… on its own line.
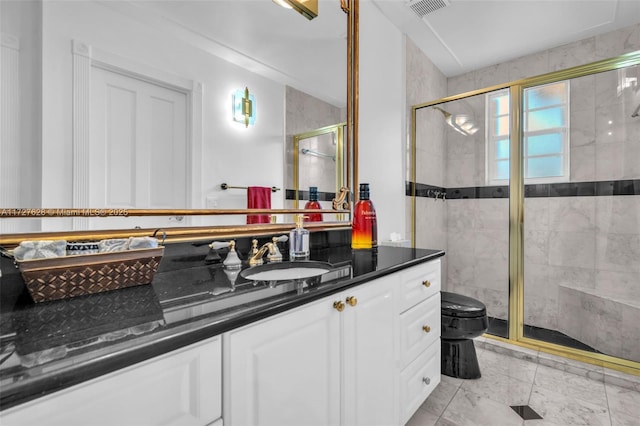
x=258, y=197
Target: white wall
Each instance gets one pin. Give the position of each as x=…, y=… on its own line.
x=229, y=153
x=381, y=123
x=21, y=127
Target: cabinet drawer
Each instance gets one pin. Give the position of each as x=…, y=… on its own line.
x=419, y=283
x=418, y=380
x=419, y=328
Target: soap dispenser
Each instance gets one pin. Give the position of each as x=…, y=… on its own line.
x=299, y=241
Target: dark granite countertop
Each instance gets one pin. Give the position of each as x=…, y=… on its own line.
x=49, y=346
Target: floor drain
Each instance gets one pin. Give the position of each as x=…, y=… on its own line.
x=526, y=412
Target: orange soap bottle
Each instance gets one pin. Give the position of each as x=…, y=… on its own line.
x=313, y=204
x=364, y=225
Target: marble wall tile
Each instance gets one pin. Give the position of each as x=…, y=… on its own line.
x=461, y=84
x=536, y=214
x=574, y=249
x=491, y=245
x=618, y=252
x=493, y=214
x=630, y=338
x=572, y=213
x=582, y=167
x=529, y=65
x=541, y=309
x=492, y=75
x=572, y=54
x=536, y=248
x=610, y=161
x=582, y=276
x=491, y=274
x=618, y=285
x=582, y=95
x=618, y=42
x=620, y=215
x=612, y=124
x=461, y=214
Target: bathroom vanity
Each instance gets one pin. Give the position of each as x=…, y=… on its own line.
x=204, y=347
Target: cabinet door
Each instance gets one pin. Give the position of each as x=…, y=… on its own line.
x=285, y=370
x=179, y=388
x=369, y=374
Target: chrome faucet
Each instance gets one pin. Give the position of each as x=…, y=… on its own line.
x=272, y=247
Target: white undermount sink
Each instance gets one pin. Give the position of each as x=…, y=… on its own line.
x=287, y=271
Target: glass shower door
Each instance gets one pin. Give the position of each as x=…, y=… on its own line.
x=581, y=148
x=462, y=197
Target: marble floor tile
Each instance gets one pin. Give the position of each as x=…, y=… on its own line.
x=567, y=393
x=623, y=403
x=500, y=388
x=493, y=363
x=571, y=385
x=558, y=408
x=440, y=397
x=469, y=409
x=422, y=418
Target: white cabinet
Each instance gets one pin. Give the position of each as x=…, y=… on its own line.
x=284, y=370
x=183, y=387
x=419, y=312
x=329, y=362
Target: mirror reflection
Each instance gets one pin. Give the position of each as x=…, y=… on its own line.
x=128, y=104
x=318, y=162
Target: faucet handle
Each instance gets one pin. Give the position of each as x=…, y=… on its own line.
x=281, y=239
x=217, y=245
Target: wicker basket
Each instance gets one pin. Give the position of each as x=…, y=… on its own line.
x=71, y=276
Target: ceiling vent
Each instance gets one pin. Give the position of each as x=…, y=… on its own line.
x=425, y=7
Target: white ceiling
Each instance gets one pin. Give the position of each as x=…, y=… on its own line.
x=471, y=34
x=311, y=55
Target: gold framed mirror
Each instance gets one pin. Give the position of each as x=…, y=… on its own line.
x=193, y=220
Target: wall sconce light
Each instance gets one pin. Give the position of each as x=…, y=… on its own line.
x=307, y=8
x=244, y=107
x=461, y=123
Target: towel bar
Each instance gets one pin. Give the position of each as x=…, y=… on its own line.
x=225, y=186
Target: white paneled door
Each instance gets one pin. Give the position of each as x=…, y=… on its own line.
x=139, y=147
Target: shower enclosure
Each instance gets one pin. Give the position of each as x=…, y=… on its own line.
x=533, y=188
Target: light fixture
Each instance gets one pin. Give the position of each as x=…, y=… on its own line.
x=244, y=107
x=462, y=123
x=307, y=8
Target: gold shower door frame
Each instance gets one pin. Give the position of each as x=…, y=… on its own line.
x=516, y=206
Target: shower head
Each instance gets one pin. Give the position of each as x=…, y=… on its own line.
x=462, y=123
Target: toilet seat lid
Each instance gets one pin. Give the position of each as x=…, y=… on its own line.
x=457, y=305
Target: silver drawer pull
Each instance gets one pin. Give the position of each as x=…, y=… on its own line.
x=426, y=380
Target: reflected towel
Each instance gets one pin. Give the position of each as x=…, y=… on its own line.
x=258, y=197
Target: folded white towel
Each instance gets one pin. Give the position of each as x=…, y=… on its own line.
x=40, y=249
x=114, y=244
x=142, y=243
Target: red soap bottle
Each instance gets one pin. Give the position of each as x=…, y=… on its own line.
x=364, y=225
x=313, y=204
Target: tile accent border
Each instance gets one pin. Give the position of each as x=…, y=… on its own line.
x=568, y=189
x=290, y=194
